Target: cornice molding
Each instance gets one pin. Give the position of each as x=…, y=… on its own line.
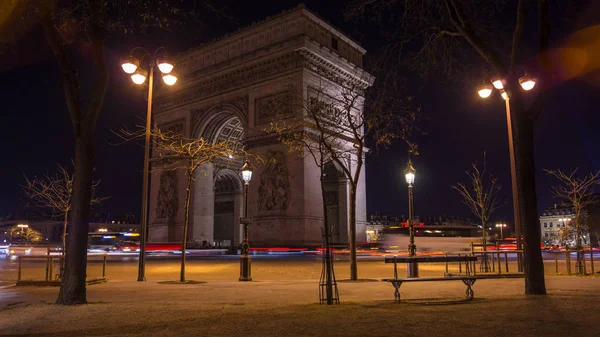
x=248, y=75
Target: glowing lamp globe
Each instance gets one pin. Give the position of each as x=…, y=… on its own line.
x=247, y=171
x=409, y=173
x=165, y=65
x=504, y=95
x=169, y=79
x=485, y=91
x=130, y=65
x=527, y=82
x=139, y=77
x=498, y=84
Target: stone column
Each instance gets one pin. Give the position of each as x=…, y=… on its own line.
x=203, y=220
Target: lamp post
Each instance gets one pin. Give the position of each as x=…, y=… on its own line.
x=409, y=174
x=136, y=67
x=501, y=225
x=527, y=83
x=245, y=268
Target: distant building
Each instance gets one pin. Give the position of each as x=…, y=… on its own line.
x=379, y=221
x=554, y=225
x=52, y=230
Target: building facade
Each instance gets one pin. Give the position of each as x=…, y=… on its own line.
x=556, y=226
x=223, y=93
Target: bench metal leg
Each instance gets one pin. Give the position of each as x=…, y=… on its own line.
x=469, y=283
x=397, y=285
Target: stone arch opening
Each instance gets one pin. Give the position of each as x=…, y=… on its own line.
x=218, y=187
x=336, y=202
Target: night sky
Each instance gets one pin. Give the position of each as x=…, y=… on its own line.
x=36, y=132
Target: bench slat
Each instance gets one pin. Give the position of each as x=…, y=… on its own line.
x=406, y=259
x=427, y=279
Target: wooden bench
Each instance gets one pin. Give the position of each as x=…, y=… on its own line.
x=467, y=278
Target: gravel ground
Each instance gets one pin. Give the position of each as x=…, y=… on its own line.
x=288, y=308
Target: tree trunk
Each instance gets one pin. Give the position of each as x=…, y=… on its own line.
x=72, y=287
x=326, y=228
x=523, y=138
x=64, y=244
x=352, y=232
x=185, y=225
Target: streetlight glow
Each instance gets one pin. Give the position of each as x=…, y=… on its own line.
x=130, y=65
x=504, y=95
x=485, y=91
x=165, y=67
x=169, y=79
x=247, y=172
x=498, y=84
x=527, y=82
x=409, y=173
x=139, y=77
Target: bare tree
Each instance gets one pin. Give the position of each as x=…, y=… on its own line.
x=24, y=233
x=448, y=37
x=55, y=192
x=83, y=26
x=299, y=137
x=336, y=115
x=578, y=193
x=176, y=151
x=481, y=196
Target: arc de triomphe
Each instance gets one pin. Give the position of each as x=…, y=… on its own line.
x=223, y=89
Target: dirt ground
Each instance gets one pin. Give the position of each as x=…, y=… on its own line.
x=290, y=308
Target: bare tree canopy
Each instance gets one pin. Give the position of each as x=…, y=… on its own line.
x=69, y=28
x=481, y=196
x=481, y=193
x=25, y=234
x=461, y=38
x=174, y=151
x=336, y=125
x=55, y=192
x=577, y=191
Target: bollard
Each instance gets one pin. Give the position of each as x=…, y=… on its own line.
x=446, y=255
x=50, y=268
x=19, y=271
x=568, y=261
x=47, y=268
x=584, y=263
x=499, y=265
x=556, y=261
x=592, y=260
x=104, y=266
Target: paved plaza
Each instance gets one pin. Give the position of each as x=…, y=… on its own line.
x=283, y=300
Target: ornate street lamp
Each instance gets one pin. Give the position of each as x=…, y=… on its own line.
x=139, y=72
x=527, y=83
x=245, y=273
x=409, y=174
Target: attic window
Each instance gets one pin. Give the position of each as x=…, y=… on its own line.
x=334, y=43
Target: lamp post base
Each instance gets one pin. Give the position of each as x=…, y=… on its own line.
x=412, y=270
x=245, y=267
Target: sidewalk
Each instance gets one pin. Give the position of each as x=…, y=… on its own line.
x=289, y=308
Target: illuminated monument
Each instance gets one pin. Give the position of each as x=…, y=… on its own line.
x=223, y=89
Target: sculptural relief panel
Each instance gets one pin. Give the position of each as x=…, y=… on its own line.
x=274, y=188
x=273, y=107
x=168, y=200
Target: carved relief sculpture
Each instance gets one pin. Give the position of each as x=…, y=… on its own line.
x=273, y=106
x=273, y=191
x=168, y=201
